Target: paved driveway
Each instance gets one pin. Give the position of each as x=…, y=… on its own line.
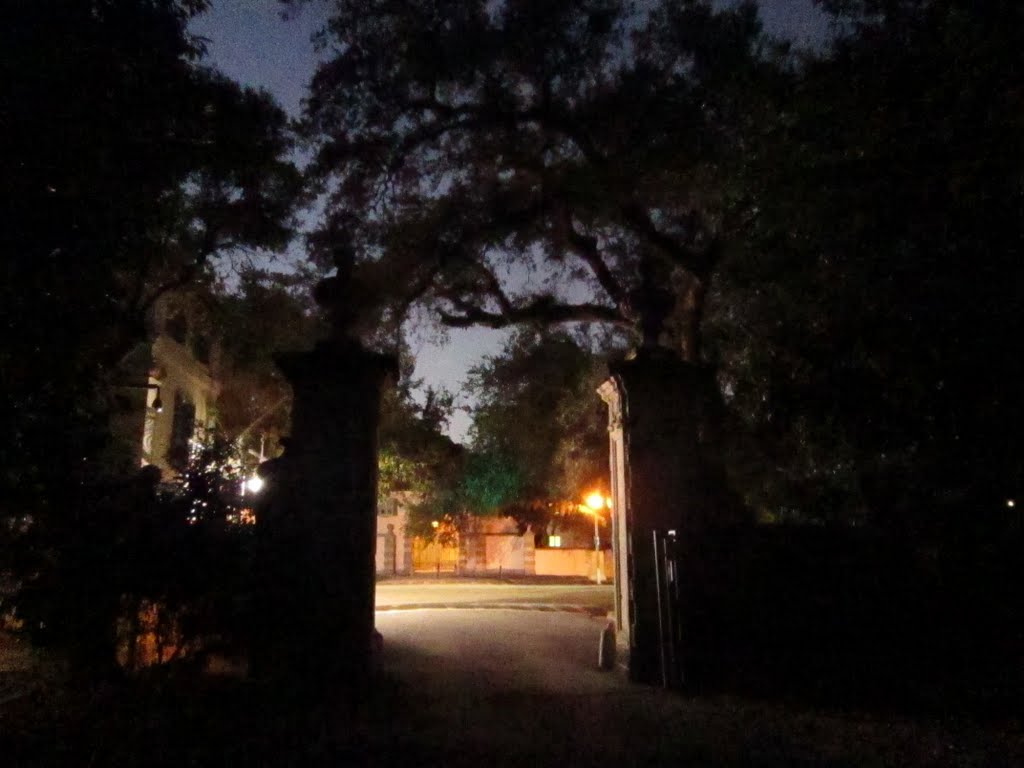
x=584, y=598
x=495, y=687
x=485, y=652
x=502, y=687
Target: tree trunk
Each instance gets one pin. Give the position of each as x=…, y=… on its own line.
x=691, y=318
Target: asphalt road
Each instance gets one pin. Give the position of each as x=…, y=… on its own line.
x=584, y=598
x=472, y=684
x=501, y=687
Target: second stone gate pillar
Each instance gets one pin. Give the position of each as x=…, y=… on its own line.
x=667, y=475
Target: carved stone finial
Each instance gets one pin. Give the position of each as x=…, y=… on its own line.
x=337, y=294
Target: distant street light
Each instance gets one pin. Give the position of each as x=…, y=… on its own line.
x=592, y=505
x=595, y=501
x=254, y=484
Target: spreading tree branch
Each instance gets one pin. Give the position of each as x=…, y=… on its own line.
x=544, y=310
x=585, y=246
x=493, y=287
x=697, y=261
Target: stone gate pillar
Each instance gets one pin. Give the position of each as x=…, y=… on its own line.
x=390, y=542
x=319, y=525
x=666, y=475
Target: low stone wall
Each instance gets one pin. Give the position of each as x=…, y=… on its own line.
x=393, y=552
x=493, y=553
x=571, y=562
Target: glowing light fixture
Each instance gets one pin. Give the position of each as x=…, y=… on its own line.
x=594, y=503
x=254, y=484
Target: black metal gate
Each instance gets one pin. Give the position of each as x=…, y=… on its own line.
x=667, y=575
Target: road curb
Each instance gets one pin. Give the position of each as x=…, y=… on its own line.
x=597, y=612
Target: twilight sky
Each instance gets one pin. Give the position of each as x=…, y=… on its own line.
x=250, y=42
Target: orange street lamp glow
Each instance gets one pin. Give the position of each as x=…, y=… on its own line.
x=593, y=504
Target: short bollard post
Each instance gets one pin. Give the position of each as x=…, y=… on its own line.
x=606, y=648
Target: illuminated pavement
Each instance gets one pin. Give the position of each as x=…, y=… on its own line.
x=501, y=673
x=502, y=687
x=583, y=598
x=470, y=686
x=509, y=650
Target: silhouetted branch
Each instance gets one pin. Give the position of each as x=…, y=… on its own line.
x=696, y=260
x=543, y=310
x=585, y=246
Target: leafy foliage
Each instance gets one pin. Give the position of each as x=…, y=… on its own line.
x=490, y=483
x=127, y=167
x=853, y=215
x=267, y=314
x=416, y=459
x=210, y=486
x=862, y=327
x=415, y=454
x=176, y=549
x=536, y=408
x=458, y=140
